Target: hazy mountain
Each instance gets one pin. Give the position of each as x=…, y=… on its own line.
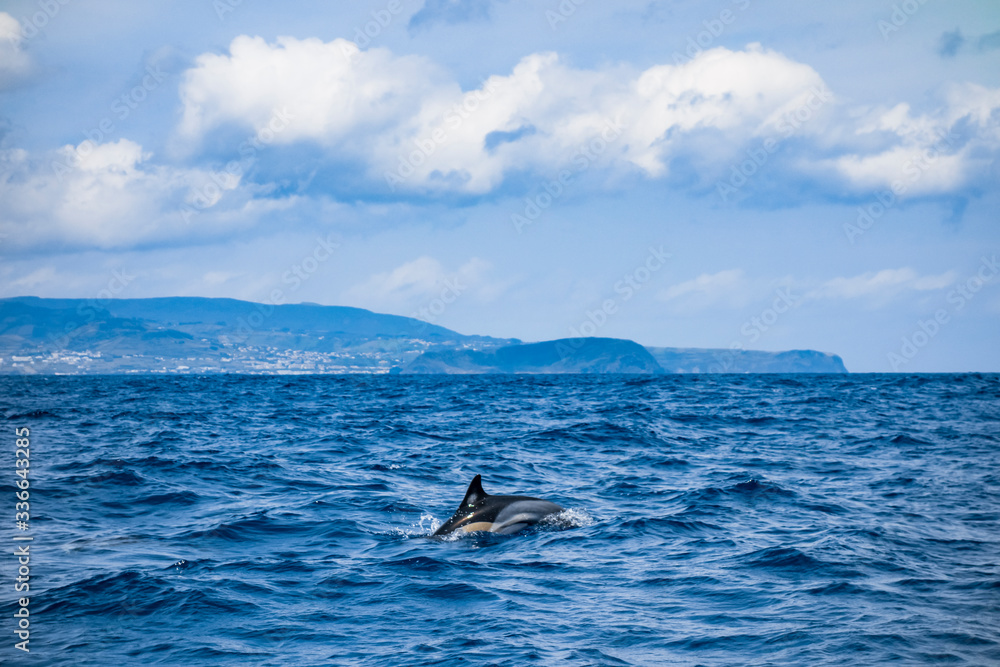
x=568, y=355
x=192, y=334
x=201, y=335
x=696, y=360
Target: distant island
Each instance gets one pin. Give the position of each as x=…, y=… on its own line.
x=202, y=335
x=568, y=355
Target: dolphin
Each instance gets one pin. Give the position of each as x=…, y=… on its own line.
x=497, y=514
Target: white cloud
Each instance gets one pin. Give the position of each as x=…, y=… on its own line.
x=14, y=62
x=421, y=281
x=742, y=94
x=215, y=278
x=707, y=288
x=417, y=130
x=414, y=279
x=911, y=170
x=28, y=283
x=941, y=281
x=403, y=117
x=881, y=284
x=332, y=90
x=110, y=195
x=926, y=154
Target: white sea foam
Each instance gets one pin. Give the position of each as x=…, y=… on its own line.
x=573, y=517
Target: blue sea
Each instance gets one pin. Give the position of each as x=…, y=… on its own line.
x=710, y=520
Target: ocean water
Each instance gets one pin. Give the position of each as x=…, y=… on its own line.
x=711, y=520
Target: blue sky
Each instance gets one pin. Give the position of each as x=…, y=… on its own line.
x=765, y=175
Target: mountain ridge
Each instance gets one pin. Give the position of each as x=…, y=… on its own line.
x=565, y=355
x=221, y=335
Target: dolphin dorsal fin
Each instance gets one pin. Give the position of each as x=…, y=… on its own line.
x=475, y=492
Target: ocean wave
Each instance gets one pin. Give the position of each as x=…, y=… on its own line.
x=232, y=520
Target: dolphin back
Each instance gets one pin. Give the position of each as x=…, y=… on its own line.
x=522, y=513
x=506, y=515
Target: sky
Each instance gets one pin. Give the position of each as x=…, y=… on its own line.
x=736, y=174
